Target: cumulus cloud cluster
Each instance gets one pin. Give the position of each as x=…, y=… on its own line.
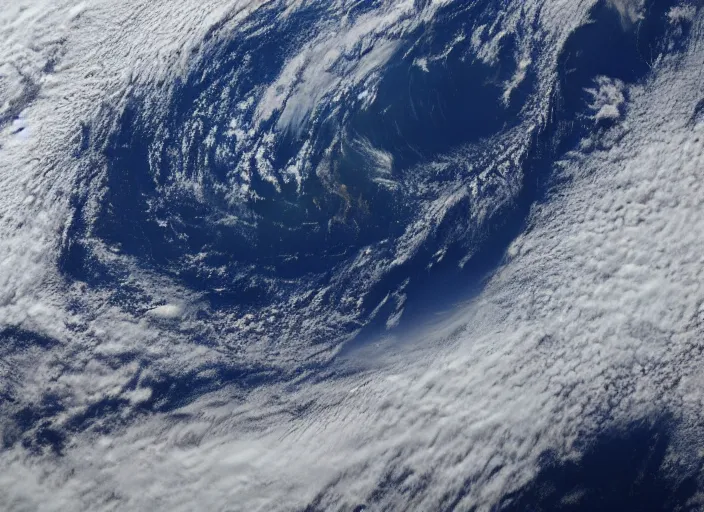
x=594, y=319
x=607, y=99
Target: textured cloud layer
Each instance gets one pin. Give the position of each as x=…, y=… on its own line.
x=593, y=320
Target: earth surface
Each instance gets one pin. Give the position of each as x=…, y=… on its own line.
x=352, y=255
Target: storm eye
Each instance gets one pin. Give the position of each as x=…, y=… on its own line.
x=278, y=163
x=258, y=164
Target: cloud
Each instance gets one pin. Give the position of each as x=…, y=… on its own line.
x=607, y=99
x=594, y=319
x=631, y=11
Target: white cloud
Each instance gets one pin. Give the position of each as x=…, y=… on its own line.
x=607, y=99
x=595, y=319
x=631, y=11
x=167, y=311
